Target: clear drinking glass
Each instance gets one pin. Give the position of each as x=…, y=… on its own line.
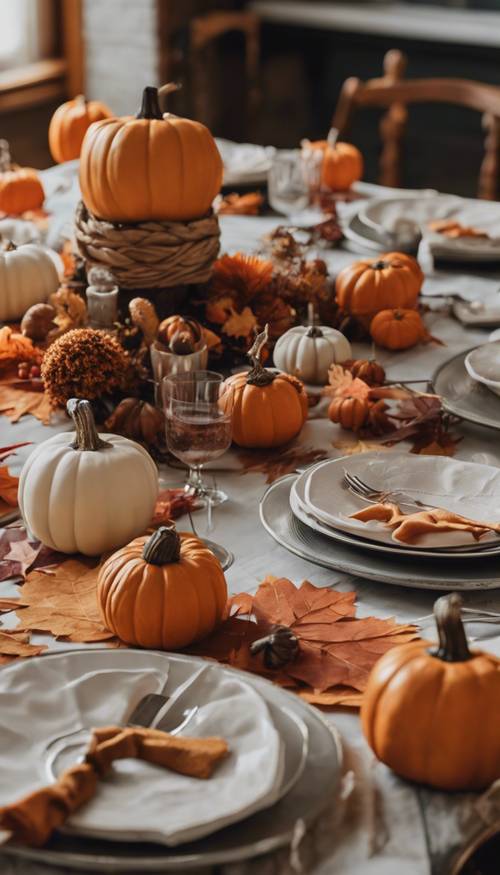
x=287, y=184
x=198, y=414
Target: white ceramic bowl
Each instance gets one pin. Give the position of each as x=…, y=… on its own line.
x=483, y=365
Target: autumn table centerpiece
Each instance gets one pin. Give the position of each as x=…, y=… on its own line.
x=159, y=233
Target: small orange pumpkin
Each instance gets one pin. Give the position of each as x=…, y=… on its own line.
x=342, y=162
x=350, y=412
x=174, y=164
x=20, y=187
x=432, y=713
x=370, y=285
x=269, y=407
x=162, y=592
x=69, y=124
x=368, y=370
x=398, y=329
x=173, y=325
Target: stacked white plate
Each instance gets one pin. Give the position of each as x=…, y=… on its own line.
x=320, y=500
x=483, y=365
x=276, y=745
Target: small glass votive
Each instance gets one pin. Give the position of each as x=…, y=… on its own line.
x=102, y=299
x=166, y=364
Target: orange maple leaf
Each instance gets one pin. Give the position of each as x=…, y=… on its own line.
x=342, y=384
x=8, y=486
x=240, y=324
x=17, y=401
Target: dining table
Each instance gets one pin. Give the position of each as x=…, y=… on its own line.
x=379, y=824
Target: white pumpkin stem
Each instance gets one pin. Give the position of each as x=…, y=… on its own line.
x=80, y=100
x=169, y=88
x=259, y=375
x=10, y=246
x=453, y=646
x=314, y=330
x=5, y=159
x=86, y=436
x=163, y=547
x=332, y=137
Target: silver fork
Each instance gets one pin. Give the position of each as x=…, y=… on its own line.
x=367, y=493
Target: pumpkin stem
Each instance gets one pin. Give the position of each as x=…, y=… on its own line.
x=314, y=331
x=332, y=137
x=150, y=107
x=259, y=375
x=80, y=100
x=5, y=159
x=379, y=265
x=86, y=437
x=163, y=547
x=11, y=246
x=453, y=646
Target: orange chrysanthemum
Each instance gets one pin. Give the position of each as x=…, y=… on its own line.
x=243, y=275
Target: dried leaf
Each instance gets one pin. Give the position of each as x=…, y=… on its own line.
x=16, y=551
x=350, y=448
x=172, y=504
x=277, y=463
x=338, y=695
x=240, y=324
x=16, y=402
x=16, y=644
x=8, y=486
x=63, y=603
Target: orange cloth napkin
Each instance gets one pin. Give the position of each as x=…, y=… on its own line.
x=33, y=819
x=409, y=527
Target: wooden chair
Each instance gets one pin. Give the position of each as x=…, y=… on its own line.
x=395, y=93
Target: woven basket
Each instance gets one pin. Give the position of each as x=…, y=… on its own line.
x=149, y=255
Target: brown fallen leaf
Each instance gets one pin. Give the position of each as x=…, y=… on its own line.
x=17, y=644
x=277, y=463
x=17, y=402
x=63, y=603
x=350, y=448
x=8, y=486
x=336, y=696
x=172, y=504
x=18, y=554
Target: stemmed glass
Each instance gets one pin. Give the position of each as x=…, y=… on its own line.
x=287, y=184
x=198, y=414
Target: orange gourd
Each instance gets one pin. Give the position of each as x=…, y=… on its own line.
x=162, y=592
x=150, y=166
x=69, y=124
x=370, y=285
x=269, y=407
x=173, y=325
x=349, y=412
x=21, y=188
x=398, y=329
x=342, y=162
x=368, y=370
x=432, y=713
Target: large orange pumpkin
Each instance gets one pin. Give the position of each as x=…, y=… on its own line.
x=398, y=329
x=152, y=166
x=269, y=407
x=433, y=713
x=370, y=285
x=162, y=592
x=342, y=162
x=69, y=124
x=21, y=188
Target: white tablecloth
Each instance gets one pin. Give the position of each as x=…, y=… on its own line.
x=384, y=826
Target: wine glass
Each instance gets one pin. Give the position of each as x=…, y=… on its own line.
x=287, y=183
x=198, y=426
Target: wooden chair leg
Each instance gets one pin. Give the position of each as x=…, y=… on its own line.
x=488, y=175
x=393, y=124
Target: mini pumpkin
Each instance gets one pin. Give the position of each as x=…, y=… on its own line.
x=21, y=188
x=162, y=592
x=270, y=408
x=179, y=324
x=370, y=285
x=87, y=493
x=69, y=125
x=308, y=352
x=38, y=321
x=349, y=412
x=398, y=329
x=368, y=370
x=342, y=162
x=137, y=420
x=432, y=713
x=28, y=276
x=174, y=162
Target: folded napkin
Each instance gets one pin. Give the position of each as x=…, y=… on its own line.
x=409, y=528
x=33, y=819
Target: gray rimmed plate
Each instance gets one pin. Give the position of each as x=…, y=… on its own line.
x=263, y=832
x=462, y=396
x=278, y=519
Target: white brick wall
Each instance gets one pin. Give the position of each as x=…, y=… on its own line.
x=121, y=51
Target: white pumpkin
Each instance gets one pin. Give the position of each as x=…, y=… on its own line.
x=28, y=276
x=308, y=352
x=87, y=493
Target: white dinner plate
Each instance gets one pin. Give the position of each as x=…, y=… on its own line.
x=483, y=365
x=76, y=690
x=388, y=567
x=467, y=488
x=265, y=831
